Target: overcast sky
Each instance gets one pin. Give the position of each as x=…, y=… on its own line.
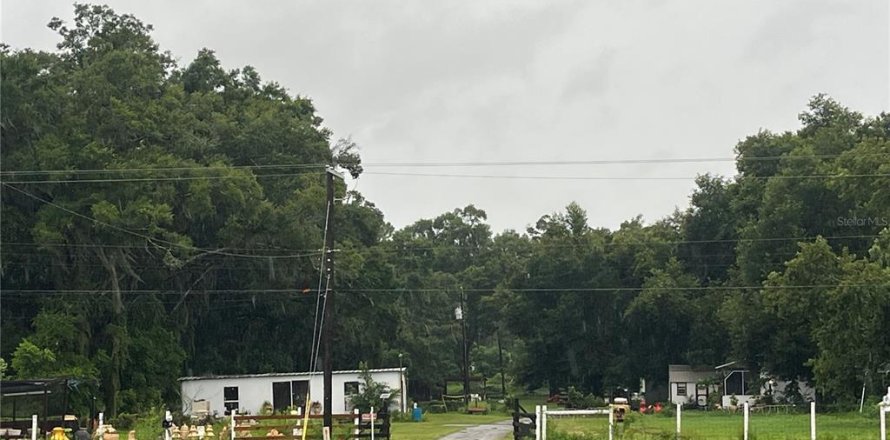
x=483, y=81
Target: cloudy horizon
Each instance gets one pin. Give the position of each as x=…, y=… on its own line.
x=523, y=81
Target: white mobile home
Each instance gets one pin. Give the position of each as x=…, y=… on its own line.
x=691, y=385
x=247, y=393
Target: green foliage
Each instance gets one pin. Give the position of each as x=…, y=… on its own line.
x=194, y=256
x=370, y=392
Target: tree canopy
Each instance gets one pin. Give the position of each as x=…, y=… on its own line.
x=162, y=220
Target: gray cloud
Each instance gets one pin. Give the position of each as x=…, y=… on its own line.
x=529, y=80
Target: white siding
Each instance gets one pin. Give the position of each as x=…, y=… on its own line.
x=253, y=391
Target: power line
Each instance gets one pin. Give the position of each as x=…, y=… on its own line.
x=161, y=179
x=322, y=166
x=383, y=246
x=146, y=237
x=440, y=290
x=532, y=177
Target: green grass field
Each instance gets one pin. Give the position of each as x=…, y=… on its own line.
x=719, y=426
x=435, y=426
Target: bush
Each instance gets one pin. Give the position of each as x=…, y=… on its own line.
x=124, y=421
x=370, y=393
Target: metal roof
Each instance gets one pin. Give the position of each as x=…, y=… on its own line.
x=319, y=373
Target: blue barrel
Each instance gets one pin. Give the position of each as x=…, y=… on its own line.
x=417, y=414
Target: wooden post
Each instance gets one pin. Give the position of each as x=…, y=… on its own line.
x=538, y=422
x=746, y=420
x=34, y=427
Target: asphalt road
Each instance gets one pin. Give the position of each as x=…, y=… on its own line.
x=494, y=431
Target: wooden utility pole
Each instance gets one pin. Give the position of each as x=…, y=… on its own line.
x=328, y=315
x=466, y=353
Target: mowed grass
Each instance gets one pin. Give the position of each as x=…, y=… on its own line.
x=435, y=426
x=719, y=426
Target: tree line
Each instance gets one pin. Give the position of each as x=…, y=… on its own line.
x=162, y=220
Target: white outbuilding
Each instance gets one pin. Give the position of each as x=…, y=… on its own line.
x=247, y=393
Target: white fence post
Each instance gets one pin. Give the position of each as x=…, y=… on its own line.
x=883, y=412
x=356, y=419
x=611, y=422
x=101, y=428
x=746, y=420
x=679, y=411
x=812, y=420
x=538, y=422
x=234, y=413
x=544, y=424
x=34, y=427
x=372, y=423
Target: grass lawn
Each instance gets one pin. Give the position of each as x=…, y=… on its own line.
x=719, y=426
x=434, y=426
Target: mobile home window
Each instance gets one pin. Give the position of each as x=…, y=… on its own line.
x=681, y=389
x=230, y=398
x=350, y=388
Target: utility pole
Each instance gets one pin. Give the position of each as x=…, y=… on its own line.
x=328, y=315
x=501, y=361
x=466, y=353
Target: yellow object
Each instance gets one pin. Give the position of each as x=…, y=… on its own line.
x=58, y=434
x=306, y=417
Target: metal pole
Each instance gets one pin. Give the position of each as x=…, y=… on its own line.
x=538, y=422
x=862, y=398
x=746, y=420
x=34, y=427
x=328, y=316
x=372, y=423
x=812, y=420
x=611, y=422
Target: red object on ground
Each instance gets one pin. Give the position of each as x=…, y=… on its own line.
x=658, y=407
x=642, y=406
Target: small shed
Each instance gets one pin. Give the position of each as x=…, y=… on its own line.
x=691, y=385
x=246, y=393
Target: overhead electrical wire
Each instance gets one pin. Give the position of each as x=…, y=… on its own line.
x=34, y=292
x=397, y=249
x=149, y=238
x=322, y=166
